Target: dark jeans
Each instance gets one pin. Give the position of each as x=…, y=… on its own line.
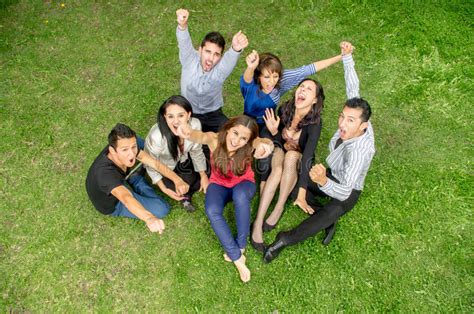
x=323, y=217
x=217, y=197
x=211, y=122
x=185, y=170
x=144, y=194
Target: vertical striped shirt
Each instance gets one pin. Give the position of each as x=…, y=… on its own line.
x=350, y=161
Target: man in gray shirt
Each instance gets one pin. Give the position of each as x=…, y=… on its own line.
x=351, y=150
x=204, y=71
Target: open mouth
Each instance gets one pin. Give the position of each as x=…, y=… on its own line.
x=301, y=97
x=269, y=88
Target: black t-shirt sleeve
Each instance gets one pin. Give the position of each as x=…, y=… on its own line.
x=108, y=179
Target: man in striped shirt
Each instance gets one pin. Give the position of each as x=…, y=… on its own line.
x=351, y=150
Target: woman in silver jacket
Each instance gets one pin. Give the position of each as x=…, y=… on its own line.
x=184, y=157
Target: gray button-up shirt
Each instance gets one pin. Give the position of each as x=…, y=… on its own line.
x=202, y=89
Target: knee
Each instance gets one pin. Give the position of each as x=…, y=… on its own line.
x=334, y=211
x=291, y=159
x=213, y=210
x=160, y=208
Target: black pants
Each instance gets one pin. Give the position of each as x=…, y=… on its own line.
x=323, y=217
x=185, y=170
x=210, y=122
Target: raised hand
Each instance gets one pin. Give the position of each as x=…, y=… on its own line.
x=182, y=18
x=239, y=41
x=346, y=48
x=252, y=60
x=271, y=122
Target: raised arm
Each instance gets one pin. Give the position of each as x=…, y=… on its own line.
x=322, y=64
x=350, y=75
x=228, y=62
x=252, y=63
x=185, y=44
x=197, y=136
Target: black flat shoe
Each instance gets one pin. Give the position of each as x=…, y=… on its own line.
x=274, y=249
x=267, y=227
x=329, y=234
x=258, y=246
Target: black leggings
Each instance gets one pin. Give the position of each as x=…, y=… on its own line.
x=185, y=170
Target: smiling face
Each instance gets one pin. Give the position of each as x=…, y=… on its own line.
x=175, y=116
x=305, y=95
x=210, y=54
x=125, y=153
x=350, y=123
x=268, y=80
x=237, y=137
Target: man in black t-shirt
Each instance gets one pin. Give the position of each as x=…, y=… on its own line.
x=113, y=194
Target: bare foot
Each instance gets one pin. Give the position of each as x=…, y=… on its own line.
x=244, y=272
x=227, y=258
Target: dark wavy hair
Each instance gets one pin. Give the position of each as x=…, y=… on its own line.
x=243, y=156
x=314, y=115
x=171, y=139
x=270, y=62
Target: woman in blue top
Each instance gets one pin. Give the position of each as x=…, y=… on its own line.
x=264, y=82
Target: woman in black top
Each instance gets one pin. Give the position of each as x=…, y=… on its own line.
x=296, y=131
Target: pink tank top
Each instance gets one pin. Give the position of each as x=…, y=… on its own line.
x=231, y=180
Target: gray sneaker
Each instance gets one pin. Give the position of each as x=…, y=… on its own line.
x=188, y=206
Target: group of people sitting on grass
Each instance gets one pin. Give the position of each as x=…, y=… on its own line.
x=194, y=147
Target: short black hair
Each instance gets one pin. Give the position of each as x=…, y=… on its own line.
x=362, y=104
x=118, y=132
x=215, y=38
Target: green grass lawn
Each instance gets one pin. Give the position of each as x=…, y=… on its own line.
x=69, y=73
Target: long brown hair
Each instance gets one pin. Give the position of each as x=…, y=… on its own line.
x=312, y=117
x=243, y=156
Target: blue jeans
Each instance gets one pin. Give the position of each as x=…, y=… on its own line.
x=144, y=194
x=217, y=197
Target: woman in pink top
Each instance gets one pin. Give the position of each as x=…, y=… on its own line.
x=232, y=179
